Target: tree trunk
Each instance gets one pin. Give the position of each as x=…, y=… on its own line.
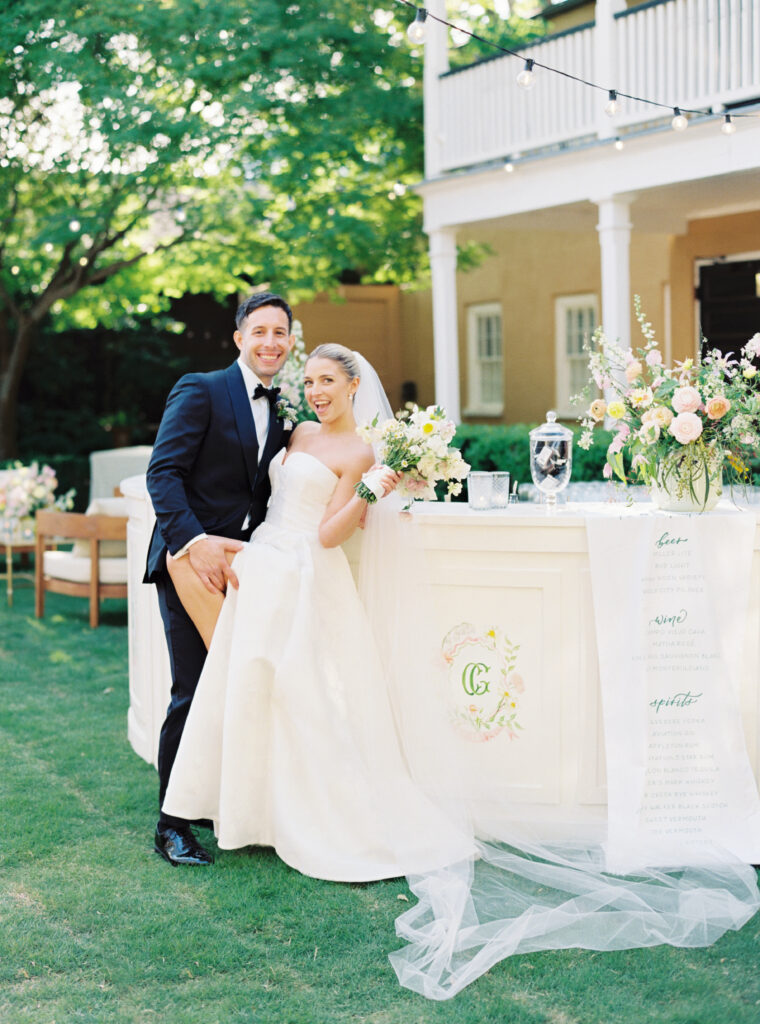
x=9, y=387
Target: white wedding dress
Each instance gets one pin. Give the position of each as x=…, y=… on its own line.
x=290, y=741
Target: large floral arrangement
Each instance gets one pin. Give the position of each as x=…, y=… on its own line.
x=680, y=426
x=417, y=443
x=24, y=489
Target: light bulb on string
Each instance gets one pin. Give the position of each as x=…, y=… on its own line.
x=526, y=77
x=612, y=104
x=679, y=122
x=619, y=144
x=509, y=166
x=417, y=29
x=728, y=127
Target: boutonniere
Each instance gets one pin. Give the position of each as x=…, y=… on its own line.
x=286, y=412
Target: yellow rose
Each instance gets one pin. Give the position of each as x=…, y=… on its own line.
x=616, y=410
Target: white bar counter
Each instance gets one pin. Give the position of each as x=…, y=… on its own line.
x=519, y=575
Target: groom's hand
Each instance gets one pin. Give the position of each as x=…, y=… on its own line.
x=210, y=560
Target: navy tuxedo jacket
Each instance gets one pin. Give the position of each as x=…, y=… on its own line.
x=206, y=471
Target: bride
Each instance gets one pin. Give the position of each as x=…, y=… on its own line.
x=317, y=729
x=291, y=740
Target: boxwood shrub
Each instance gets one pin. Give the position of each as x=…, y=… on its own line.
x=507, y=448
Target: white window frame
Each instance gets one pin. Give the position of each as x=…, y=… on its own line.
x=476, y=404
x=563, y=390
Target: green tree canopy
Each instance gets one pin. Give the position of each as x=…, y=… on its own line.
x=163, y=146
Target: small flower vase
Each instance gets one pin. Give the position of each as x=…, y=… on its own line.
x=683, y=486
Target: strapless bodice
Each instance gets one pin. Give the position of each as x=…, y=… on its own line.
x=301, y=489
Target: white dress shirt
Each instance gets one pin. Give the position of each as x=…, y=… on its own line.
x=259, y=406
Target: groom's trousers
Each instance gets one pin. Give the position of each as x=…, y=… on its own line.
x=187, y=653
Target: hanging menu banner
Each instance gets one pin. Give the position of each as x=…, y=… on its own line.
x=671, y=596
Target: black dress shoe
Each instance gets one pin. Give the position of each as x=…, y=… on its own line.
x=179, y=846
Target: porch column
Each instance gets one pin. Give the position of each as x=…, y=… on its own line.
x=443, y=266
x=614, y=229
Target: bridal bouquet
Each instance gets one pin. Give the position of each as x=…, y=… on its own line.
x=678, y=425
x=24, y=489
x=417, y=443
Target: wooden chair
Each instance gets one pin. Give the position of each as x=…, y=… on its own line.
x=97, y=566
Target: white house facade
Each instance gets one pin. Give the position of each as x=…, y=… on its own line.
x=582, y=208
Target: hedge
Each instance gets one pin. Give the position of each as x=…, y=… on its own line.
x=508, y=448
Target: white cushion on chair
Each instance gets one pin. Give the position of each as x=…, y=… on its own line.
x=66, y=565
x=108, y=548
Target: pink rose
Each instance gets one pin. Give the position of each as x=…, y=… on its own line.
x=515, y=682
x=686, y=427
x=607, y=471
x=686, y=399
x=654, y=357
x=718, y=407
x=633, y=371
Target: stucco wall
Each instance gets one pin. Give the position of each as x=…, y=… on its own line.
x=363, y=317
x=528, y=271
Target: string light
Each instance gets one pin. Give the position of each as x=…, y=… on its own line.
x=619, y=144
x=509, y=167
x=679, y=122
x=417, y=29
x=526, y=78
x=415, y=33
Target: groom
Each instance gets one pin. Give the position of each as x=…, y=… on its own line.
x=209, y=484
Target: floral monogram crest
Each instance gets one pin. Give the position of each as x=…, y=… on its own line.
x=484, y=688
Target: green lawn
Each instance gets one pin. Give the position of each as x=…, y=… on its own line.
x=95, y=927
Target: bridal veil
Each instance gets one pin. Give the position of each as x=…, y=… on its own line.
x=526, y=888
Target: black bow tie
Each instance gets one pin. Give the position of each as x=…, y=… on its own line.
x=270, y=394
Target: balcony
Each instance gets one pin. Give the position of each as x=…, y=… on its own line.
x=697, y=54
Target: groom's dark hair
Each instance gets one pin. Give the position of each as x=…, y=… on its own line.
x=257, y=301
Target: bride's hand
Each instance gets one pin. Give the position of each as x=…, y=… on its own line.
x=388, y=478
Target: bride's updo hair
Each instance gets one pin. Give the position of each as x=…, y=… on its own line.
x=339, y=354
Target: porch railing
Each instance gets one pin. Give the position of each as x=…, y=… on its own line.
x=690, y=53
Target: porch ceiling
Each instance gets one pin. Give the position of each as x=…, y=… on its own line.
x=669, y=178
x=664, y=209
